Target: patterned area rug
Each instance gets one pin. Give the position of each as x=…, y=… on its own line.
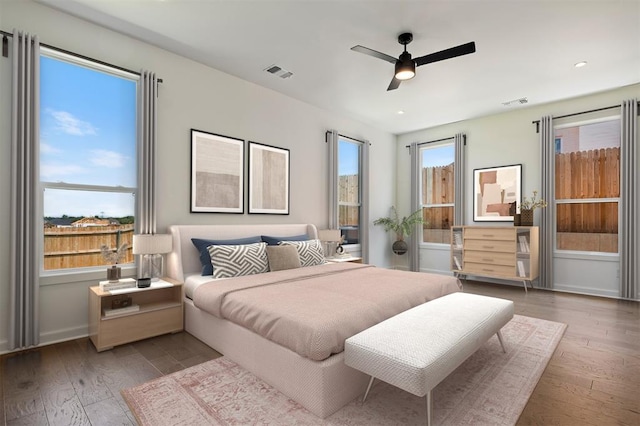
x=490, y=388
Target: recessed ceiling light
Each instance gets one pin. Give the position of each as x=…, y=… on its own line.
x=580, y=64
x=400, y=112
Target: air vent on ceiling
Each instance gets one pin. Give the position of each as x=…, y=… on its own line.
x=516, y=102
x=278, y=71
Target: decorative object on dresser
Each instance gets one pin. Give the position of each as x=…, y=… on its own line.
x=494, y=190
x=151, y=247
x=268, y=179
x=114, y=257
x=527, y=207
x=401, y=227
x=508, y=253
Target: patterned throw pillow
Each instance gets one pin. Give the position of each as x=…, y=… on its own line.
x=237, y=260
x=310, y=252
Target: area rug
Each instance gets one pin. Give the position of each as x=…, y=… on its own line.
x=490, y=388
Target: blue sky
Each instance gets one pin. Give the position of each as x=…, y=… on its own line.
x=438, y=156
x=87, y=136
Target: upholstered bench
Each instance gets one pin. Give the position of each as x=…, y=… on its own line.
x=416, y=349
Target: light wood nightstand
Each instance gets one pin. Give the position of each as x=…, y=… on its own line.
x=161, y=311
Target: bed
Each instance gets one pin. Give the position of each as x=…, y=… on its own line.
x=314, y=376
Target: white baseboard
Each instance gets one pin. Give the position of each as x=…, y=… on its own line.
x=50, y=338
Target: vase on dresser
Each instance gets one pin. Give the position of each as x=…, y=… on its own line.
x=526, y=217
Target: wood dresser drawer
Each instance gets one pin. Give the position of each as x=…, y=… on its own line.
x=494, y=270
x=507, y=234
x=490, y=258
x=492, y=246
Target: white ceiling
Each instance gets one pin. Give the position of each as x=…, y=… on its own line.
x=525, y=48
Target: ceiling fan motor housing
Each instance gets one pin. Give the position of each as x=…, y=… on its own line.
x=405, y=67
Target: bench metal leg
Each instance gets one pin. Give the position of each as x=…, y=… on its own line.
x=499, y=334
x=368, y=389
x=429, y=407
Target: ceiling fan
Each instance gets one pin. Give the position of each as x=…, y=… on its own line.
x=405, y=66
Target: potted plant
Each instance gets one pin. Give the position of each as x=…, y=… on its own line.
x=401, y=227
x=114, y=257
x=527, y=206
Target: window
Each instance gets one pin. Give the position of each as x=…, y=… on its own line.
x=349, y=189
x=587, y=186
x=437, y=192
x=88, y=161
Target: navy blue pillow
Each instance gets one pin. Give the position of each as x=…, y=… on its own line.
x=273, y=241
x=205, y=258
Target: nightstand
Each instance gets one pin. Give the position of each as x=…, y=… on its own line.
x=160, y=310
x=351, y=259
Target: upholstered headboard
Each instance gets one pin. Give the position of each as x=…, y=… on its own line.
x=184, y=259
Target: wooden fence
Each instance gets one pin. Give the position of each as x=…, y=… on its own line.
x=588, y=174
x=348, y=192
x=80, y=247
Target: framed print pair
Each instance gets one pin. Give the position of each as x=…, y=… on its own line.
x=218, y=178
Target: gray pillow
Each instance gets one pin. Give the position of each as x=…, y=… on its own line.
x=283, y=257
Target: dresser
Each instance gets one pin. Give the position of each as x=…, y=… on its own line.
x=505, y=252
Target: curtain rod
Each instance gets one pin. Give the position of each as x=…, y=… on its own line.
x=440, y=140
x=5, y=53
x=537, y=122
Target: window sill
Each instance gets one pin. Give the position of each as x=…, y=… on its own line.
x=82, y=275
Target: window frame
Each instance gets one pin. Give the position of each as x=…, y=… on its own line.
x=421, y=148
x=582, y=254
x=359, y=144
x=61, y=276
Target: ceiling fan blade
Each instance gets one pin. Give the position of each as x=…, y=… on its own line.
x=374, y=53
x=395, y=83
x=463, y=49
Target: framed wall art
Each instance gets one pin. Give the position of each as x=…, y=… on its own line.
x=217, y=173
x=494, y=188
x=268, y=179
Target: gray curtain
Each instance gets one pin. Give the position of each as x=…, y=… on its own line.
x=364, y=202
x=629, y=201
x=547, y=192
x=147, y=120
x=458, y=180
x=332, y=141
x=24, y=329
x=414, y=239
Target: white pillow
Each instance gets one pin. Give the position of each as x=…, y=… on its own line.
x=310, y=252
x=237, y=260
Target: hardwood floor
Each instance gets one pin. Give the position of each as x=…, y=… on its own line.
x=592, y=379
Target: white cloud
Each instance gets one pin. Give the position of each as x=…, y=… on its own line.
x=45, y=148
x=53, y=171
x=110, y=159
x=68, y=123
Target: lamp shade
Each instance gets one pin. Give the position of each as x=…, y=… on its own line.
x=329, y=235
x=152, y=243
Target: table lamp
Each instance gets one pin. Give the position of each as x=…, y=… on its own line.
x=151, y=247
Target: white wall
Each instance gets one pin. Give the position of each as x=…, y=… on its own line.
x=511, y=138
x=192, y=96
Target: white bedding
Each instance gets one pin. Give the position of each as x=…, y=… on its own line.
x=193, y=281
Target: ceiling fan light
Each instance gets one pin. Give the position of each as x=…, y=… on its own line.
x=405, y=70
